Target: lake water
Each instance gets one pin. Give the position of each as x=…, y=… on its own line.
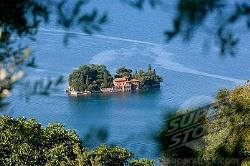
x=134, y=39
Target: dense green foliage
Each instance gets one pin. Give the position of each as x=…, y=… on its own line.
x=148, y=77
x=228, y=135
x=124, y=72
x=141, y=162
x=226, y=139
x=26, y=142
x=90, y=77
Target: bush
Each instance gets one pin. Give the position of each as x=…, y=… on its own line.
x=141, y=162
x=26, y=142
x=228, y=135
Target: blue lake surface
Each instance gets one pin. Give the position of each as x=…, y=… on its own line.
x=192, y=75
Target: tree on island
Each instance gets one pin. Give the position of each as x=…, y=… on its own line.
x=124, y=72
x=149, y=77
x=90, y=78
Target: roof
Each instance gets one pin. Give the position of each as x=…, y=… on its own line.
x=122, y=79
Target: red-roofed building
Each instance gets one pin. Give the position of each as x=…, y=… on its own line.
x=123, y=84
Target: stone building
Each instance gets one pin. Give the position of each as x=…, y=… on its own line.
x=123, y=84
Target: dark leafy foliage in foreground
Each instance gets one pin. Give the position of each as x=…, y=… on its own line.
x=26, y=142
x=226, y=140
x=228, y=136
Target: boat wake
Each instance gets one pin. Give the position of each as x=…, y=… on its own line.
x=162, y=57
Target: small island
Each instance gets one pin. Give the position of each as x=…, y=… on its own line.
x=90, y=79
